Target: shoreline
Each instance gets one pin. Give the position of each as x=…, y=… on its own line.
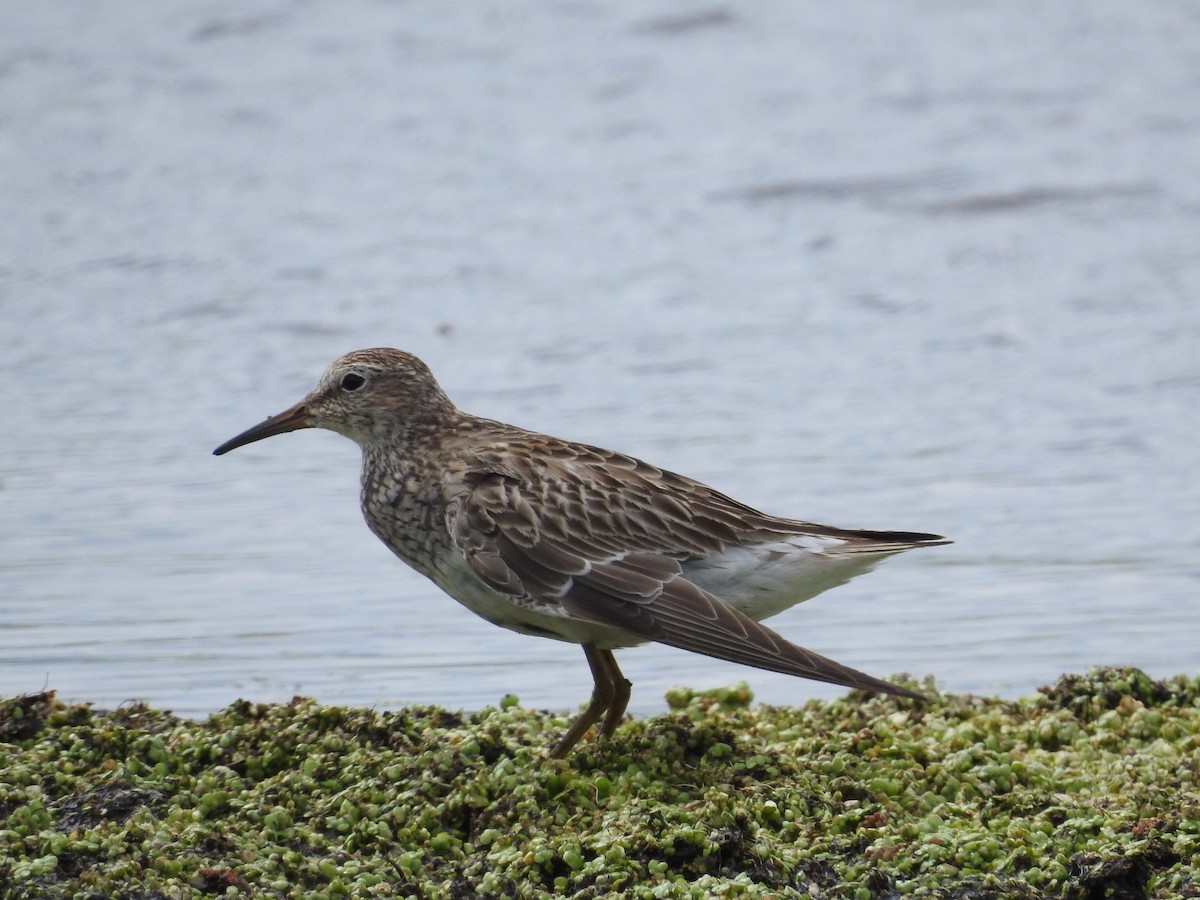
x=1089, y=788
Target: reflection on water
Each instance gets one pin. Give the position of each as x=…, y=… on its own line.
x=932, y=272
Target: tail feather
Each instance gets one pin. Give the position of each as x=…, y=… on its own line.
x=866, y=541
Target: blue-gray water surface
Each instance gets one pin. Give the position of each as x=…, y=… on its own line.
x=912, y=265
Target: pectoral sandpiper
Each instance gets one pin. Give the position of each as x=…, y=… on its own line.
x=564, y=540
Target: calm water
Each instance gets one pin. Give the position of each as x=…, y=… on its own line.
x=916, y=266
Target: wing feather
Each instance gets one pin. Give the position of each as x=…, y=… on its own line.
x=616, y=578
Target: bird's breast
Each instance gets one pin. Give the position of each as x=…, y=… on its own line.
x=408, y=514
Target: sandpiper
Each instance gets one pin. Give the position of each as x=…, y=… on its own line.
x=569, y=541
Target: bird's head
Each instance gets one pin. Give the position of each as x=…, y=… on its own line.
x=370, y=396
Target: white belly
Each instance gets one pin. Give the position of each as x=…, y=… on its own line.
x=762, y=580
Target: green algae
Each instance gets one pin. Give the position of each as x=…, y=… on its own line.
x=1089, y=789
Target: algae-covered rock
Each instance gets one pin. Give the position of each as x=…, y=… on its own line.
x=1090, y=789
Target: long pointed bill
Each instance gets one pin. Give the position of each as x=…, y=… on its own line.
x=292, y=419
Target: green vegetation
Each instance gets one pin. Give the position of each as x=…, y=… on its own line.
x=1090, y=789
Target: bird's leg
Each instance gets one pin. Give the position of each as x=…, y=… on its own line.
x=620, y=693
x=604, y=693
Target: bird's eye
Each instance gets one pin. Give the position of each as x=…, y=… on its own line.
x=352, y=382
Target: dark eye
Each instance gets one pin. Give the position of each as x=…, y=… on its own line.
x=352, y=382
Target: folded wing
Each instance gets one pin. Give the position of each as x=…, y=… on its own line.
x=517, y=542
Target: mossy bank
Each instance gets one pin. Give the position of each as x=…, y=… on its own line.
x=1089, y=789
